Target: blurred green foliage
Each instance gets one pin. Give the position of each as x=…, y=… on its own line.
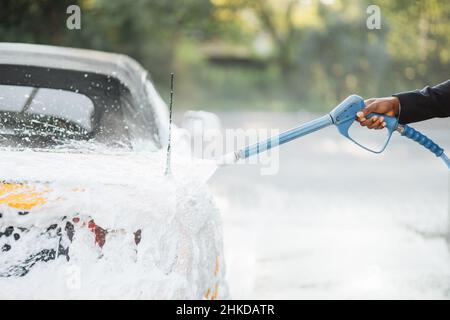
x=259, y=54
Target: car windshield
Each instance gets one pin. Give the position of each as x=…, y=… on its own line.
x=56, y=109
x=44, y=111
x=39, y=117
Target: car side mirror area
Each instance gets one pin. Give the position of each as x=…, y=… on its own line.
x=205, y=132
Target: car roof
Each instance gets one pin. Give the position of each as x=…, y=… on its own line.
x=126, y=69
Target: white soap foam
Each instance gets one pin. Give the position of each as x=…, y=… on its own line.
x=180, y=252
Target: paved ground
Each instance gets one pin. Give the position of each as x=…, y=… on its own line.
x=336, y=221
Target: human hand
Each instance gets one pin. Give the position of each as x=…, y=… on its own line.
x=389, y=106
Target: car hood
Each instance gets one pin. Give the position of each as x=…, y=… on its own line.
x=39, y=186
x=102, y=201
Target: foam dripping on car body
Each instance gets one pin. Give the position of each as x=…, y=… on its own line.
x=59, y=237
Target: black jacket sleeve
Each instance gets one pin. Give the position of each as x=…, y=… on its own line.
x=430, y=102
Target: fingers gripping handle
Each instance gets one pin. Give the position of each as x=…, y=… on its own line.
x=420, y=138
x=391, y=122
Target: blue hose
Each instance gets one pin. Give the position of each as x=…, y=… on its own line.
x=446, y=159
x=420, y=138
x=423, y=140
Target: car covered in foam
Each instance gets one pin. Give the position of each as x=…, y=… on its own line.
x=86, y=210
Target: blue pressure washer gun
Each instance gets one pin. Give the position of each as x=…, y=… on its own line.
x=343, y=116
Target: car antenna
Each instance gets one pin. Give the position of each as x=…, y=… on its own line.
x=168, y=168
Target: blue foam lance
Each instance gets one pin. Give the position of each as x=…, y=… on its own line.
x=343, y=117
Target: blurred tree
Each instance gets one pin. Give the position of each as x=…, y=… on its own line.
x=275, y=17
x=39, y=21
x=342, y=56
x=148, y=30
x=320, y=50
x=418, y=40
